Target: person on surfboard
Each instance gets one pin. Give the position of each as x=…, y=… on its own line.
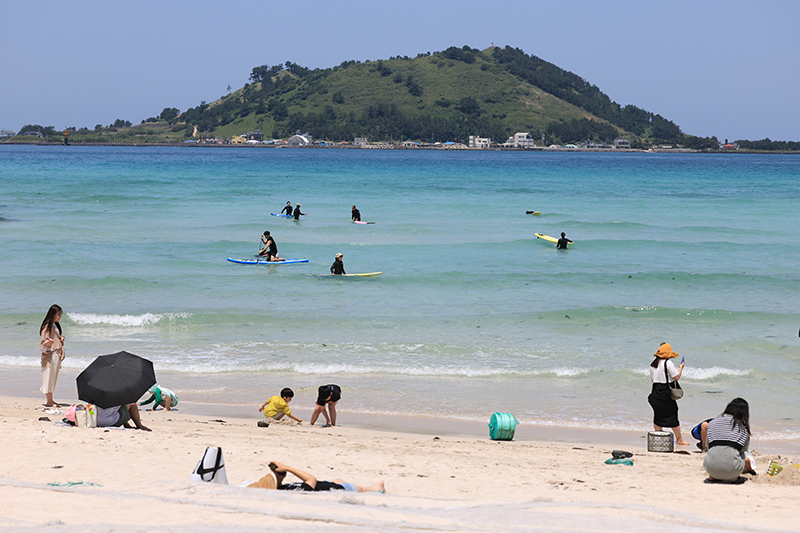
x=287, y=209
x=563, y=242
x=355, y=214
x=270, y=249
x=338, y=267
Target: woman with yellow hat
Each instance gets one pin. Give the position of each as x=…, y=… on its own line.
x=665, y=409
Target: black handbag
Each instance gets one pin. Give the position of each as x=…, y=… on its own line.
x=675, y=390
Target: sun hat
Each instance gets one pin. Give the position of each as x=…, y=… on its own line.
x=665, y=352
x=267, y=482
x=339, y=255
x=298, y=205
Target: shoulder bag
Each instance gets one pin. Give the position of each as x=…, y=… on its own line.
x=675, y=390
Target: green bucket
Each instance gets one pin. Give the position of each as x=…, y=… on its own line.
x=502, y=426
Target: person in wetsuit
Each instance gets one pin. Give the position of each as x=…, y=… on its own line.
x=355, y=214
x=338, y=267
x=563, y=241
x=270, y=249
x=287, y=209
x=297, y=212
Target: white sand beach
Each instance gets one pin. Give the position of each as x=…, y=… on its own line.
x=55, y=478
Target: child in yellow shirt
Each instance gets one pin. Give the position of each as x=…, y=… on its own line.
x=277, y=406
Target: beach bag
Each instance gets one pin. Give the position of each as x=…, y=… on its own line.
x=675, y=390
x=86, y=416
x=211, y=467
x=70, y=413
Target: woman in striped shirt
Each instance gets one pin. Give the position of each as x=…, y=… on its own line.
x=728, y=442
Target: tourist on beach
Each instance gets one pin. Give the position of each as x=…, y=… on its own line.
x=308, y=483
x=270, y=249
x=287, y=209
x=277, y=406
x=327, y=397
x=297, y=212
x=162, y=396
x=338, y=267
x=355, y=214
x=52, y=348
x=119, y=416
x=665, y=409
x=728, y=443
x=563, y=242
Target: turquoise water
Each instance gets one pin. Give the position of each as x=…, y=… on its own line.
x=472, y=314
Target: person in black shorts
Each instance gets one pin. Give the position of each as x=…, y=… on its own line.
x=355, y=214
x=308, y=483
x=327, y=396
x=287, y=209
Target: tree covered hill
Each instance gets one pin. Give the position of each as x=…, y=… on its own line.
x=443, y=96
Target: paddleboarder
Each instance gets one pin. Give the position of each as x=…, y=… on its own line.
x=355, y=214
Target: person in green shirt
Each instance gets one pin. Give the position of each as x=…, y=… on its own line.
x=161, y=396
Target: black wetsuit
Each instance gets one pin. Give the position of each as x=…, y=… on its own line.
x=297, y=213
x=562, y=243
x=287, y=210
x=337, y=267
x=356, y=215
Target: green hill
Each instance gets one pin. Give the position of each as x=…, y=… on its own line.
x=444, y=96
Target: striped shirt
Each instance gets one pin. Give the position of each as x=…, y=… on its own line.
x=721, y=432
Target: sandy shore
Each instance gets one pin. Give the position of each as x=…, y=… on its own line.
x=55, y=478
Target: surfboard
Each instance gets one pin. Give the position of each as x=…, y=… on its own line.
x=277, y=215
x=363, y=275
x=553, y=240
x=264, y=262
x=360, y=222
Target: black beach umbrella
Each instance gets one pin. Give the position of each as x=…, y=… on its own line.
x=115, y=379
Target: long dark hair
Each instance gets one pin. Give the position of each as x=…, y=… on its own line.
x=740, y=411
x=50, y=319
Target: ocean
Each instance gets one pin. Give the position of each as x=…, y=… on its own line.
x=472, y=315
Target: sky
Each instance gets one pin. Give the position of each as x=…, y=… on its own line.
x=725, y=69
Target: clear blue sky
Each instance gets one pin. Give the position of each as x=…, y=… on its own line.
x=730, y=69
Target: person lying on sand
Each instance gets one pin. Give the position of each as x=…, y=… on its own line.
x=308, y=483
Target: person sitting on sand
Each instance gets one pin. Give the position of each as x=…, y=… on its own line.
x=563, y=242
x=118, y=416
x=308, y=483
x=287, y=209
x=297, y=212
x=728, y=442
x=270, y=249
x=337, y=267
x=162, y=396
x=327, y=397
x=355, y=214
x=277, y=406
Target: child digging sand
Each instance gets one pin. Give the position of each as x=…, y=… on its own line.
x=277, y=406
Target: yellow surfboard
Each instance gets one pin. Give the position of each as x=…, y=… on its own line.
x=553, y=240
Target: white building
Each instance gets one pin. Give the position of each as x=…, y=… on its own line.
x=361, y=141
x=479, y=142
x=522, y=140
